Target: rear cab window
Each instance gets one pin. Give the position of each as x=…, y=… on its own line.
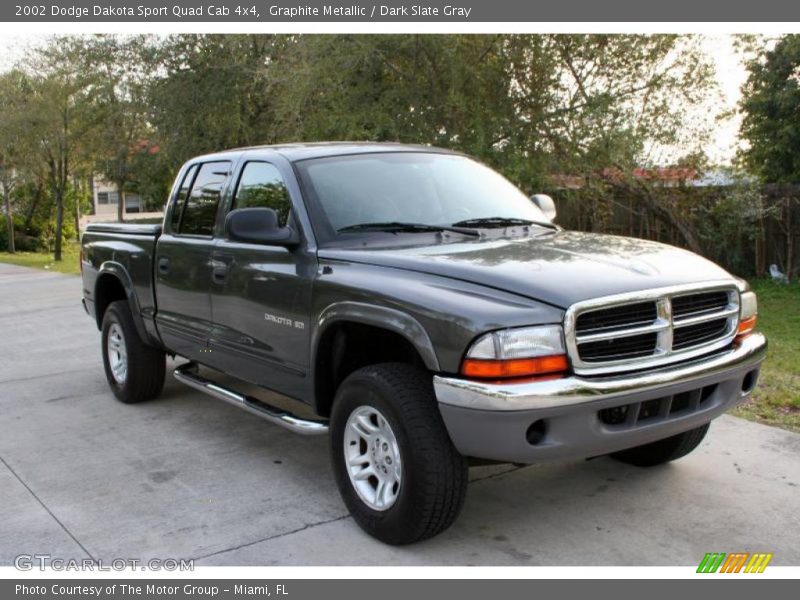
x=197, y=201
x=180, y=198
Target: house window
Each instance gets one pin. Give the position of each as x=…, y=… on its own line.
x=107, y=197
x=133, y=203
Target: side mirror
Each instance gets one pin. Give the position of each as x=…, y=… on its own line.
x=545, y=204
x=259, y=226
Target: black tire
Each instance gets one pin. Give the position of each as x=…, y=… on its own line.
x=656, y=453
x=146, y=366
x=434, y=475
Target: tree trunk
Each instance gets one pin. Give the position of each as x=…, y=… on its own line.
x=789, y=239
x=77, y=221
x=760, y=244
x=665, y=212
x=9, y=219
x=120, y=202
x=92, y=193
x=59, y=222
x=37, y=195
x=78, y=213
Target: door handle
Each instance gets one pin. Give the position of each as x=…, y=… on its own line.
x=163, y=265
x=219, y=274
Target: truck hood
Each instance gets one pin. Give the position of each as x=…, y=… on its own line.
x=559, y=268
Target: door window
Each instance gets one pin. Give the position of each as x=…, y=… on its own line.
x=261, y=185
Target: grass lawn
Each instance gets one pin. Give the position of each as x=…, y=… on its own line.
x=775, y=402
x=68, y=264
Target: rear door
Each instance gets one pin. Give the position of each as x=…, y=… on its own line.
x=261, y=294
x=183, y=260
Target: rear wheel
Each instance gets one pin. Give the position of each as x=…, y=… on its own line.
x=135, y=371
x=396, y=468
x=656, y=453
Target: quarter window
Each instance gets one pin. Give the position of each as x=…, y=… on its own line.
x=261, y=185
x=200, y=211
x=180, y=197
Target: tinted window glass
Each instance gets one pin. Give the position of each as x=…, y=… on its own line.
x=201, y=205
x=261, y=185
x=180, y=197
x=425, y=188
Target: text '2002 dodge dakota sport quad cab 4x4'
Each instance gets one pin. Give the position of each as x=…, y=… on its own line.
x=427, y=310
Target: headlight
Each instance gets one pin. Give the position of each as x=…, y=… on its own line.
x=747, y=315
x=522, y=352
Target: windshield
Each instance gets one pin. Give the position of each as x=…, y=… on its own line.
x=426, y=189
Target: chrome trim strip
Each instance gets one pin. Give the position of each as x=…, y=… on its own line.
x=730, y=311
x=658, y=325
x=663, y=353
x=188, y=375
x=574, y=390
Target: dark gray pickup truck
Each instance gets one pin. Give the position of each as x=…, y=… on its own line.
x=428, y=312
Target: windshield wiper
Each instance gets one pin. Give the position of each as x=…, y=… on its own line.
x=502, y=222
x=398, y=226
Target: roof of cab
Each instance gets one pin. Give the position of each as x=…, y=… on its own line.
x=303, y=151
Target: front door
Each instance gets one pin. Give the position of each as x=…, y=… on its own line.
x=183, y=261
x=261, y=295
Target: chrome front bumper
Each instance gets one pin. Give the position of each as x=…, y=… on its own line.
x=578, y=390
x=490, y=420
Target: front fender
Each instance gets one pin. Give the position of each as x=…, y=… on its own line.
x=378, y=316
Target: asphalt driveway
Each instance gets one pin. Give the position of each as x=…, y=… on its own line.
x=187, y=476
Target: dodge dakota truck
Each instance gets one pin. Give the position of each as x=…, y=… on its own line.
x=427, y=313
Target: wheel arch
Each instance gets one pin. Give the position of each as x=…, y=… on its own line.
x=392, y=335
x=114, y=283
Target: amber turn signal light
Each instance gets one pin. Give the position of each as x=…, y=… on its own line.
x=518, y=367
x=746, y=327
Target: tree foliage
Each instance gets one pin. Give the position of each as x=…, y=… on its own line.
x=132, y=108
x=771, y=104
x=531, y=104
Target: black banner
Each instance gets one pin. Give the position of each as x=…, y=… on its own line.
x=508, y=589
x=455, y=11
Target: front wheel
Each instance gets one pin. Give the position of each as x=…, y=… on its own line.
x=671, y=448
x=397, y=470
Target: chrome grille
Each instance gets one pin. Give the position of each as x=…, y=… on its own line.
x=617, y=317
x=651, y=328
x=695, y=304
x=699, y=333
x=628, y=347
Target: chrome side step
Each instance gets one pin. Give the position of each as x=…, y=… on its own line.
x=188, y=374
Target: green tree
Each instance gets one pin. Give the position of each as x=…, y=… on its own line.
x=771, y=103
x=20, y=161
x=53, y=118
x=135, y=107
x=211, y=92
x=530, y=104
x=12, y=91
x=116, y=104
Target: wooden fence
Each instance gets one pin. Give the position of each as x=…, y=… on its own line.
x=743, y=228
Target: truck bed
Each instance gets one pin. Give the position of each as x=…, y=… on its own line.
x=126, y=251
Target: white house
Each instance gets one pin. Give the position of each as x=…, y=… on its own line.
x=106, y=199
